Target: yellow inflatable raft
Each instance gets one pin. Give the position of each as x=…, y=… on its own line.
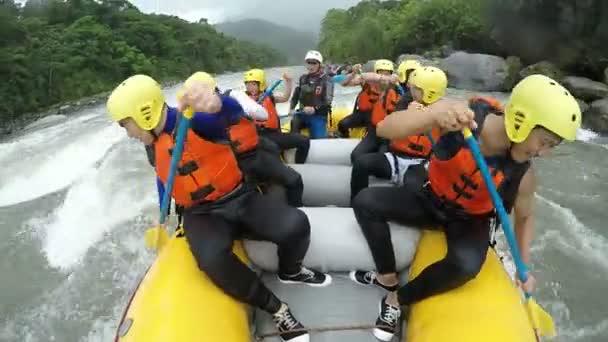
x=488, y=308
x=332, y=125
x=176, y=302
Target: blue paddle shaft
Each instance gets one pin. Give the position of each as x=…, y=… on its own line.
x=339, y=78
x=522, y=269
x=400, y=90
x=269, y=91
x=182, y=129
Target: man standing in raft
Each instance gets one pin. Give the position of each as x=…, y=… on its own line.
x=218, y=206
x=426, y=86
x=255, y=81
x=315, y=94
x=538, y=116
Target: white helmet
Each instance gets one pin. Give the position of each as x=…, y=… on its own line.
x=314, y=55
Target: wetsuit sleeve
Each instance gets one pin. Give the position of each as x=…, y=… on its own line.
x=481, y=110
x=450, y=143
x=214, y=126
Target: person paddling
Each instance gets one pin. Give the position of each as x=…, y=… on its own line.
x=538, y=116
x=218, y=206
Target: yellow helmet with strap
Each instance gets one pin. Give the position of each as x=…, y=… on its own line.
x=256, y=75
x=139, y=98
x=406, y=66
x=538, y=100
x=432, y=81
x=199, y=76
x=384, y=64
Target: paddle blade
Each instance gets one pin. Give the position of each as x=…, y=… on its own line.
x=541, y=320
x=156, y=237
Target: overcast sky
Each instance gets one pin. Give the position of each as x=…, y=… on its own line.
x=304, y=15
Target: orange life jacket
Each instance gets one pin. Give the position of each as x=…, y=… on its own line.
x=243, y=136
x=386, y=105
x=366, y=99
x=458, y=179
x=415, y=145
x=207, y=171
x=273, y=117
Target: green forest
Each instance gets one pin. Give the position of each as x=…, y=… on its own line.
x=53, y=51
x=569, y=33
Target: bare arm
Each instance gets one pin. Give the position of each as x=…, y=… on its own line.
x=402, y=124
x=281, y=97
x=524, y=213
x=352, y=80
x=447, y=114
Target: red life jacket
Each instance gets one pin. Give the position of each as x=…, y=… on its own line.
x=367, y=97
x=418, y=146
x=458, y=179
x=243, y=136
x=207, y=171
x=386, y=105
x=269, y=104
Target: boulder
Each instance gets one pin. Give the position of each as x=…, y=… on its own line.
x=473, y=71
x=369, y=66
x=596, y=117
x=585, y=88
x=423, y=60
x=544, y=68
x=407, y=56
x=514, y=66
x=606, y=75
x=583, y=105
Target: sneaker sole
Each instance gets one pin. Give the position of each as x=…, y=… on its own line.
x=327, y=282
x=301, y=338
x=380, y=334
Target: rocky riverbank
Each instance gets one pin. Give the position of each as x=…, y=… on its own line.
x=59, y=110
x=482, y=72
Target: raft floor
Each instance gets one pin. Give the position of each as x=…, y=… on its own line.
x=343, y=303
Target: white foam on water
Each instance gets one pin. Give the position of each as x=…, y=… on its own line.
x=60, y=169
x=578, y=239
x=96, y=204
x=586, y=135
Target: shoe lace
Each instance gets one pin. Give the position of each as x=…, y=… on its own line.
x=286, y=320
x=369, y=277
x=390, y=314
x=308, y=273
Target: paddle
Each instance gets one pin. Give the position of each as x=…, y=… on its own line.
x=541, y=320
x=269, y=91
x=338, y=78
x=156, y=237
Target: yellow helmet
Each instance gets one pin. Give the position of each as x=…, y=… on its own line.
x=384, y=64
x=432, y=81
x=256, y=75
x=405, y=66
x=199, y=76
x=538, y=100
x=140, y=98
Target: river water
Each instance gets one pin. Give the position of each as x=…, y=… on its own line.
x=76, y=196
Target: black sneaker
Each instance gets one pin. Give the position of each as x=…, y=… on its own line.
x=290, y=329
x=308, y=277
x=387, y=322
x=368, y=278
